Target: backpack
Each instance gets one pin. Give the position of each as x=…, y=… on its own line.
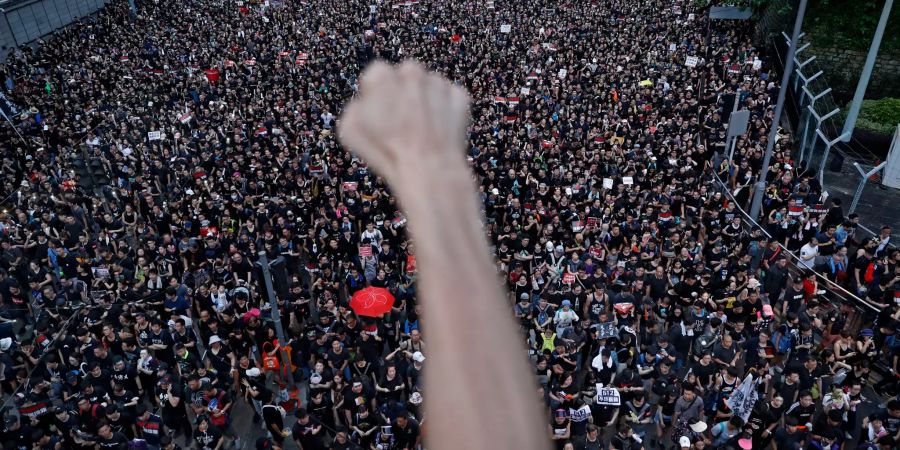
x=280, y=409
x=782, y=341
x=869, y=276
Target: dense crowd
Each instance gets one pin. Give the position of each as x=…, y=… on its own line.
x=133, y=314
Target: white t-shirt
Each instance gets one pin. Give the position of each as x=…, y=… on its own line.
x=808, y=255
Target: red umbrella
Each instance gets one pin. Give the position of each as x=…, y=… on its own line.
x=372, y=301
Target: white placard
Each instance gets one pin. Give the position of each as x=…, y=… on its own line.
x=691, y=61
x=757, y=64
x=525, y=91
x=672, y=48
x=627, y=181
x=505, y=28
x=154, y=136
x=562, y=73
x=607, y=183
x=608, y=396
x=691, y=16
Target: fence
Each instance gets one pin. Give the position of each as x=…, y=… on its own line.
x=817, y=123
x=836, y=294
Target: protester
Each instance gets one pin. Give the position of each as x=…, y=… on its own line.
x=160, y=153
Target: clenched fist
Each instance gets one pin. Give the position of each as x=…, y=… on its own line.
x=406, y=121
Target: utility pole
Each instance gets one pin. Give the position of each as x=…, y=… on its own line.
x=773, y=132
x=264, y=266
x=850, y=123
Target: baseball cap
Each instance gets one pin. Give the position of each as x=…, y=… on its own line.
x=213, y=339
x=684, y=442
x=697, y=426
x=418, y=357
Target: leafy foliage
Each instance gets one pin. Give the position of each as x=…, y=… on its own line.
x=850, y=24
x=879, y=116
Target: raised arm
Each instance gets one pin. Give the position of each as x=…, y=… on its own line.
x=410, y=125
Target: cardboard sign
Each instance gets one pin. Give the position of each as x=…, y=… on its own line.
x=691, y=61
x=606, y=330
x=365, y=251
x=568, y=278
x=608, y=396
x=349, y=186
x=154, y=136
x=607, y=183
x=628, y=181
x=505, y=28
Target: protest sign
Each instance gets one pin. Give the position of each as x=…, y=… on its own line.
x=627, y=181
x=608, y=396
x=743, y=398
x=568, y=278
x=607, y=183
x=154, y=136
x=606, y=330
x=505, y=28
x=349, y=186
x=365, y=250
x=691, y=61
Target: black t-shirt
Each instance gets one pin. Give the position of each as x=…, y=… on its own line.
x=122, y=424
x=207, y=440
x=617, y=442
x=309, y=435
x=272, y=416
x=405, y=437
x=171, y=413
x=117, y=441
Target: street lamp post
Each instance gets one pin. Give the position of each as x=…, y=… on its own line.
x=773, y=132
x=263, y=264
x=853, y=113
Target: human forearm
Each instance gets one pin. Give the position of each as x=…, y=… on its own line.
x=450, y=277
x=410, y=126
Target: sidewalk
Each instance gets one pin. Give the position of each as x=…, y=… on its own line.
x=877, y=206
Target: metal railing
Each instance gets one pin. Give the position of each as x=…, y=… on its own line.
x=837, y=292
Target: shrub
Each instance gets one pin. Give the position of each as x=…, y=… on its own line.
x=878, y=116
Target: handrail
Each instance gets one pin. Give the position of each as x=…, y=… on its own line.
x=795, y=258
